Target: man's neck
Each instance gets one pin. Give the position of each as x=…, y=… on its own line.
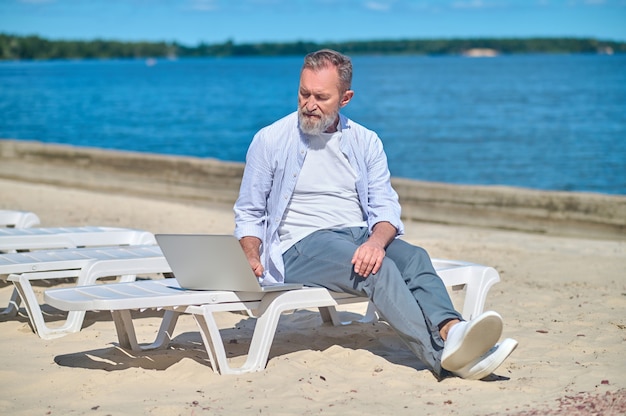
x=333, y=127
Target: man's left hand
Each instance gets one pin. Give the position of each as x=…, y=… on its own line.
x=368, y=258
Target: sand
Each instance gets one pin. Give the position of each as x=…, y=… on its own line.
x=562, y=298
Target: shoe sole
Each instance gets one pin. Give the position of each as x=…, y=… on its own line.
x=489, y=364
x=480, y=336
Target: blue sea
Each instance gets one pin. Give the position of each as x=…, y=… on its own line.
x=552, y=122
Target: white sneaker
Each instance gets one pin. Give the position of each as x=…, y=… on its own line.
x=467, y=341
x=488, y=363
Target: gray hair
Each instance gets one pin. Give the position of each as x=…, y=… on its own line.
x=327, y=57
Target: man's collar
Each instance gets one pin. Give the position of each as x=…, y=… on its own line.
x=343, y=122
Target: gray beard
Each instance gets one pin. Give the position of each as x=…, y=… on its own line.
x=315, y=128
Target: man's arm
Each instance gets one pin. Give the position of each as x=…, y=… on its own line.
x=251, y=205
x=369, y=256
x=377, y=194
x=251, y=248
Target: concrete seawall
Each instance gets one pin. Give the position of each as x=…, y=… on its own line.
x=203, y=181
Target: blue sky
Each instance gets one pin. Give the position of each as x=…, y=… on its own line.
x=215, y=21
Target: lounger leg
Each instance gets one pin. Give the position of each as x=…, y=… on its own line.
x=329, y=315
x=170, y=318
x=125, y=330
x=259, y=347
x=74, y=318
x=272, y=306
x=212, y=340
x=482, y=279
x=261, y=339
x=14, y=304
x=128, y=338
x=370, y=314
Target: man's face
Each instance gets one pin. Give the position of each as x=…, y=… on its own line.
x=319, y=100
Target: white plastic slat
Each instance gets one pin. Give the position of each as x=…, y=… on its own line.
x=138, y=295
x=70, y=258
x=53, y=238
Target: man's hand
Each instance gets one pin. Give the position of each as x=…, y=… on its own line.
x=369, y=256
x=251, y=246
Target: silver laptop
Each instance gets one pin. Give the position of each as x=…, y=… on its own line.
x=212, y=262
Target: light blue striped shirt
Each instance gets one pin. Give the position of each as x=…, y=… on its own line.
x=273, y=162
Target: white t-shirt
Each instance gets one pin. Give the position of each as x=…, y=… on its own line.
x=325, y=194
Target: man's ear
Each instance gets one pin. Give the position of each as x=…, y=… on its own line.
x=347, y=96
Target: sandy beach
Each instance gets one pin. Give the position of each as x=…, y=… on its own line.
x=563, y=297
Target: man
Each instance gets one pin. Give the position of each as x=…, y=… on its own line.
x=316, y=206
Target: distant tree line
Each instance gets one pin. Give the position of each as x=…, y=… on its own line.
x=34, y=47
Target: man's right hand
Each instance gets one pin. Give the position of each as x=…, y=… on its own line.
x=251, y=248
x=257, y=267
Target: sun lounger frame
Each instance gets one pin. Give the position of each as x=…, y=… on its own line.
x=122, y=298
x=50, y=238
x=46, y=238
x=86, y=265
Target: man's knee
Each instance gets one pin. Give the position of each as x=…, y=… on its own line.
x=421, y=253
x=387, y=272
x=408, y=256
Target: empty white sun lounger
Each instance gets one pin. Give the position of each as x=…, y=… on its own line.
x=18, y=219
x=40, y=238
x=121, y=298
x=85, y=264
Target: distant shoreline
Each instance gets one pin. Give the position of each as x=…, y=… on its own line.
x=13, y=47
x=208, y=181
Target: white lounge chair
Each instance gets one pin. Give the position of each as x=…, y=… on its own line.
x=85, y=264
x=121, y=298
x=39, y=238
x=18, y=219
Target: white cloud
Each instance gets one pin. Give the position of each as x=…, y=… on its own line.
x=593, y=2
x=203, y=5
x=377, y=6
x=473, y=4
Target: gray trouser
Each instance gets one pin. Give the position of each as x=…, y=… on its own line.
x=406, y=290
